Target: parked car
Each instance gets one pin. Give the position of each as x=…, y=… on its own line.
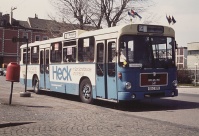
x=1, y=71
x=4, y=72
x=195, y=83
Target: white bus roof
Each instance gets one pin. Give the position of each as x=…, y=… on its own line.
x=126, y=29
x=122, y=29
x=102, y=31
x=42, y=42
x=66, y=36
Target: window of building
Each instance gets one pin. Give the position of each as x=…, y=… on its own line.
x=180, y=66
x=86, y=49
x=37, y=38
x=193, y=52
x=56, y=52
x=45, y=37
x=181, y=59
x=25, y=35
x=181, y=51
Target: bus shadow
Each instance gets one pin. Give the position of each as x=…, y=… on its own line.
x=150, y=105
x=135, y=106
x=58, y=95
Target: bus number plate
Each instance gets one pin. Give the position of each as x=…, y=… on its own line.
x=153, y=88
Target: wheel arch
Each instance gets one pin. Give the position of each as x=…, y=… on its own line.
x=34, y=77
x=84, y=96
x=82, y=78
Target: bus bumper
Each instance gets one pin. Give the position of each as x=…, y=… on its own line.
x=129, y=96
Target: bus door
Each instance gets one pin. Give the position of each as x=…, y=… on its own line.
x=106, y=70
x=44, y=69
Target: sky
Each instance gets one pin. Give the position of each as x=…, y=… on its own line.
x=185, y=12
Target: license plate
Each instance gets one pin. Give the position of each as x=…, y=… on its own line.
x=153, y=88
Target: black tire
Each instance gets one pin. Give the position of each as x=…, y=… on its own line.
x=85, y=91
x=36, y=86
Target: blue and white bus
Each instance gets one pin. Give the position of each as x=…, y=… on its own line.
x=122, y=63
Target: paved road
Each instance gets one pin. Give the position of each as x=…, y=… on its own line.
x=59, y=114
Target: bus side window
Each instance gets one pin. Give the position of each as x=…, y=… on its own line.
x=100, y=59
x=35, y=54
x=47, y=62
x=56, y=52
x=122, y=53
x=69, y=54
x=131, y=51
x=41, y=62
x=86, y=49
x=24, y=56
x=111, y=58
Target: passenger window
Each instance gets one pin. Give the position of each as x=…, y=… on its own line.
x=86, y=49
x=111, y=58
x=69, y=54
x=35, y=54
x=100, y=59
x=24, y=56
x=56, y=52
x=131, y=51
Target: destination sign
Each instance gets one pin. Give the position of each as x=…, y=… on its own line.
x=70, y=35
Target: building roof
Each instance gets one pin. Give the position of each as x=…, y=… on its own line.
x=24, y=24
x=51, y=26
x=44, y=24
x=41, y=24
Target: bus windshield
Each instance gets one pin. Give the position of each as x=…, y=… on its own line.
x=148, y=51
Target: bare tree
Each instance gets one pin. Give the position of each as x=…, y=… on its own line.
x=77, y=8
x=113, y=11
x=95, y=12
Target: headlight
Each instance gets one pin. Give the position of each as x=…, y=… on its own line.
x=175, y=83
x=128, y=85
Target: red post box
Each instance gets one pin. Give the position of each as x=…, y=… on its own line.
x=13, y=72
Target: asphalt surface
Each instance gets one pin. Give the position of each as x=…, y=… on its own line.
x=54, y=114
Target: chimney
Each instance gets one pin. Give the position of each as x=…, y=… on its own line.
x=1, y=15
x=6, y=17
x=36, y=16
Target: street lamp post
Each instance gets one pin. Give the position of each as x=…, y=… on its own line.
x=11, y=15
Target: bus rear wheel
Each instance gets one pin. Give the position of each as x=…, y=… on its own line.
x=85, y=91
x=36, y=86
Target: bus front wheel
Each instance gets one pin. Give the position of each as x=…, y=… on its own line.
x=36, y=86
x=86, y=91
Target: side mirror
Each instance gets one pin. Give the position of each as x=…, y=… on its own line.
x=176, y=45
x=122, y=45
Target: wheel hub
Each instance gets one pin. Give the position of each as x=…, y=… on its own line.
x=86, y=92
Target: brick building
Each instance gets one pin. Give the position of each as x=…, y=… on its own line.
x=34, y=29
x=181, y=58
x=9, y=51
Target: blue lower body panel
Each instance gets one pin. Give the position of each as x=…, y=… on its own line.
x=128, y=96
x=29, y=82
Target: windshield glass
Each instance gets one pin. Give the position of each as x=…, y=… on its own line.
x=147, y=51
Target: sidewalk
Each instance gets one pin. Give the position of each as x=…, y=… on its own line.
x=188, y=89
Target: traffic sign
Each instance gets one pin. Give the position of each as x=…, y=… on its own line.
x=15, y=39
